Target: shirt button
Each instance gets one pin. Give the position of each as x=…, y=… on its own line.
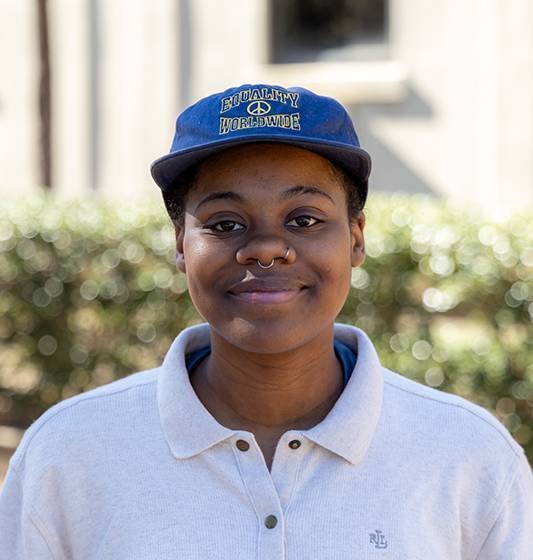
x=271, y=521
x=242, y=445
x=294, y=444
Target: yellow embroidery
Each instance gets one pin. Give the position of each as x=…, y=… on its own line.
x=259, y=94
x=231, y=124
x=258, y=108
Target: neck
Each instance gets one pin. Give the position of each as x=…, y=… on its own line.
x=269, y=392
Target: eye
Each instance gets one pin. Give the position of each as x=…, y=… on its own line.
x=305, y=221
x=225, y=226
x=228, y=226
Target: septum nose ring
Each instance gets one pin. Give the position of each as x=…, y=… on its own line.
x=272, y=261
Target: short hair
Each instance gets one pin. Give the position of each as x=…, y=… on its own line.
x=175, y=197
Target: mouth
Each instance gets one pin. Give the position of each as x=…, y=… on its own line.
x=269, y=297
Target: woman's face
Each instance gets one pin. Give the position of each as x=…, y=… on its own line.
x=253, y=202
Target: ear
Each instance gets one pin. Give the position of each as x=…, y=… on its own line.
x=180, y=259
x=358, y=240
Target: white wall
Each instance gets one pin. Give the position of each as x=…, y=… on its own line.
x=451, y=112
x=466, y=129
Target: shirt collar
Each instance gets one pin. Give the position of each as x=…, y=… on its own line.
x=347, y=430
x=350, y=425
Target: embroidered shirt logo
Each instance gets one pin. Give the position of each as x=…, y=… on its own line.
x=377, y=538
x=258, y=108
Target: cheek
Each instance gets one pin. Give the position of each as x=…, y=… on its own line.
x=202, y=254
x=343, y=258
x=333, y=254
x=205, y=266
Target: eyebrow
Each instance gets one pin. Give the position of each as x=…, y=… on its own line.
x=293, y=192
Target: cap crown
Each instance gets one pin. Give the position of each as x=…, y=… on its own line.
x=263, y=113
x=266, y=110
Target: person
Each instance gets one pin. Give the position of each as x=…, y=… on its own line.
x=270, y=431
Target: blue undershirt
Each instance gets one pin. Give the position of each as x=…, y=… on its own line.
x=346, y=356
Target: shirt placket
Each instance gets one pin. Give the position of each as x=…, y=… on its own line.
x=263, y=495
x=290, y=451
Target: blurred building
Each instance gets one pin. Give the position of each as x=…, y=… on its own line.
x=441, y=92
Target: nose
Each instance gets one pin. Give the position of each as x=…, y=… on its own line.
x=265, y=250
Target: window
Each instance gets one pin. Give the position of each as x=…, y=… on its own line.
x=326, y=30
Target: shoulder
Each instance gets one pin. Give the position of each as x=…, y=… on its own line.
x=447, y=412
x=447, y=424
x=80, y=420
x=468, y=455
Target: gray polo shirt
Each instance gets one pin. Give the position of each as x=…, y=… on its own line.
x=139, y=469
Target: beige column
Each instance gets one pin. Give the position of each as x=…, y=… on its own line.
x=72, y=95
x=138, y=92
x=19, y=113
x=515, y=134
x=229, y=42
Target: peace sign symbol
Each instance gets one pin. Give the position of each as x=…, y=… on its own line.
x=258, y=108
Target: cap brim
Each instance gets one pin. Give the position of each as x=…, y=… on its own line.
x=355, y=161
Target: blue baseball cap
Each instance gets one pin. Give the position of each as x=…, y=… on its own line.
x=263, y=113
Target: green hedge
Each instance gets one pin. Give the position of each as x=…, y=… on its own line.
x=89, y=293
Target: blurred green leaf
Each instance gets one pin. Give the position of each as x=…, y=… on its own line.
x=89, y=293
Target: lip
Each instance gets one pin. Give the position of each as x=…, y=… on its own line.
x=266, y=284
x=270, y=297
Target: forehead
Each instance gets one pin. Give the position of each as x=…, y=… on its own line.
x=266, y=163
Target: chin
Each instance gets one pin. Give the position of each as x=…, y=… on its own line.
x=267, y=336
